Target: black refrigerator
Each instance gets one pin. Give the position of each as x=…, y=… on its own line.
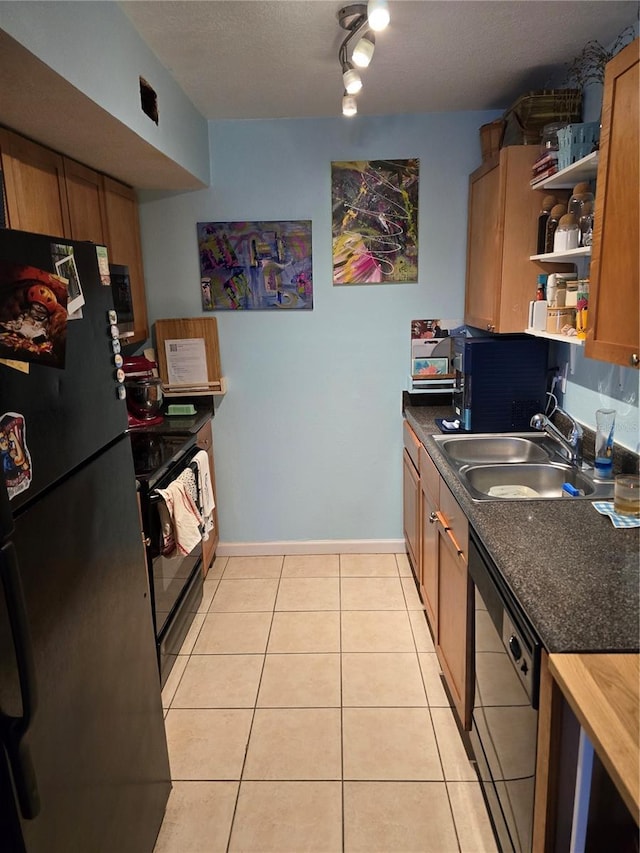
x=83, y=753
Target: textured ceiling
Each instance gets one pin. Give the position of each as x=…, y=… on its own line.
x=279, y=58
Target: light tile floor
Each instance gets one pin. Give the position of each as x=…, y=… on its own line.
x=306, y=713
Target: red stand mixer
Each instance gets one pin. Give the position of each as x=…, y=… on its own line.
x=144, y=391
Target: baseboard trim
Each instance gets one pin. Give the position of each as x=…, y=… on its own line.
x=319, y=546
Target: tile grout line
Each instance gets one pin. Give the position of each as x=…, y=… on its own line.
x=253, y=715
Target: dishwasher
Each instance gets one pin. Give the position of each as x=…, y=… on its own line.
x=505, y=707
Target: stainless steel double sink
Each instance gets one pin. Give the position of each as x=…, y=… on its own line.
x=517, y=466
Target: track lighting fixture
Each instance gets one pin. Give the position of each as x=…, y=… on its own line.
x=359, y=19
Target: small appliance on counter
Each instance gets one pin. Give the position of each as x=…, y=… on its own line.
x=144, y=391
x=499, y=382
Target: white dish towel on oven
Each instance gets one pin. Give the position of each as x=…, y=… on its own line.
x=183, y=512
x=206, y=491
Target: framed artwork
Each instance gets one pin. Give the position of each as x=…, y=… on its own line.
x=375, y=221
x=255, y=265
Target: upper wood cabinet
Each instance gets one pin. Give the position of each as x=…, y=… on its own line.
x=86, y=212
x=614, y=275
x=48, y=193
x=122, y=236
x=36, y=195
x=501, y=237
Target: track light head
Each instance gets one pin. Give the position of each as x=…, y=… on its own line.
x=349, y=105
x=378, y=14
x=351, y=79
x=363, y=51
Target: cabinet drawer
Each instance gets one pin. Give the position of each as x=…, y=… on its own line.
x=455, y=518
x=412, y=444
x=429, y=476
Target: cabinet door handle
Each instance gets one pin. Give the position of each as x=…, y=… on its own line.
x=432, y=518
x=635, y=360
x=490, y=327
x=458, y=549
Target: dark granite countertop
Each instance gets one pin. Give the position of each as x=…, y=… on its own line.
x=178, y=424
x=576, y=576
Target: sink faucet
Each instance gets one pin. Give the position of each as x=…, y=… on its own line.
x=571, y=444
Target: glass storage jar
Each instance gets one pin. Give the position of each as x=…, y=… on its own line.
x=567, y=234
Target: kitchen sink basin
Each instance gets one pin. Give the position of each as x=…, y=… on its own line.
x=524, y=482
x=517, y=466
x=495, y=448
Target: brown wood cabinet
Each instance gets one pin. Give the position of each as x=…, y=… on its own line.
x=204, y=440
x=446, y=588
x=455, y=605
x=122, y=237
x=430, y=486
x=34, y=184
x=614, y=309
x=411, y=497
x=84, y=195
x=501, y=237
x=50, y=194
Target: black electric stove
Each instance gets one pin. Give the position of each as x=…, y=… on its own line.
x=160, y=453
x=155, y=448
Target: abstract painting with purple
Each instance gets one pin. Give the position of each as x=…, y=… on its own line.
x=375, y=221
x=255, y=265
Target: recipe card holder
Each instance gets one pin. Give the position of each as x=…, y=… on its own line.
x=188, y=354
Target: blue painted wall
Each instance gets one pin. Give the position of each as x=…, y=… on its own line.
x=308, y=437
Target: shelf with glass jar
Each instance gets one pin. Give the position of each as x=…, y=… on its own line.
x=579, y=177
x=568, y=256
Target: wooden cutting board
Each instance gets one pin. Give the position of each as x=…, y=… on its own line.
x=196, y=328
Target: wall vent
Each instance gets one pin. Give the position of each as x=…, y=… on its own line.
x=148, y=100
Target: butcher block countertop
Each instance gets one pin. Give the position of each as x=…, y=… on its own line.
x=603, y=692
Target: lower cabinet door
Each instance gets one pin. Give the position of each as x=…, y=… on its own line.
x=411, y=511
x=429, y=561
x=455, y=615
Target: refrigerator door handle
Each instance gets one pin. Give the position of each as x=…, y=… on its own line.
x=14, y=729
